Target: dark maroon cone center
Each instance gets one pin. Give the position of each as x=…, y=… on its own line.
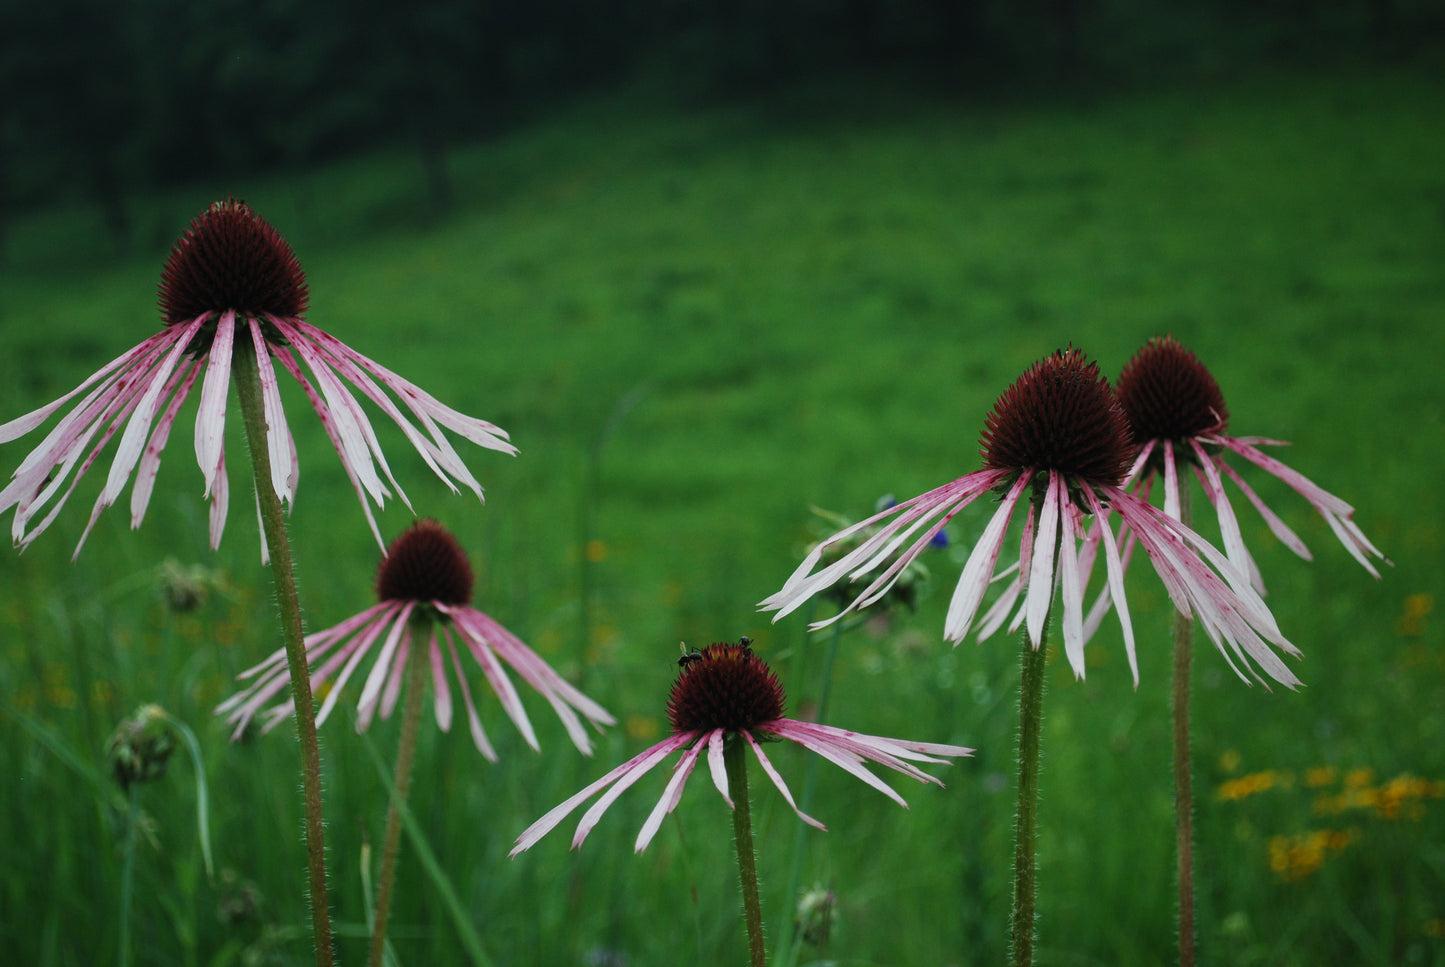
x=724, y=686
x=425, y=563
x=230, y=258
x=1059, y=415
x=1167, y=394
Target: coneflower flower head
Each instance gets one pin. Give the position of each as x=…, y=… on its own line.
x=726, y=693
x=1179, y=419
x=424, y=587
x=425, y=564
x=1061, y=417
x=1168, y=394
x=230, y=285
x=230, y=258
x=725, y=686
x=1058, y=442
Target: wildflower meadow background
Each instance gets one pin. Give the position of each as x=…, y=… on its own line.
x=696, y=324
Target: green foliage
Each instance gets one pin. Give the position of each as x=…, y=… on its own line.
x=802, y=305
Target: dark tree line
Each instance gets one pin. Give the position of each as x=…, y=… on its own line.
x=100, y=99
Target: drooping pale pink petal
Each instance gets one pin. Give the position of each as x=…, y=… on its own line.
x=371, y=691
x=559, y=693
x=974, y=580
x=21, y=425
x=346, y=417
x=1209, y=481
x=1041, y=571
x=45, y=470
x=220, y=500
x=280, y=446
x=1025, y=566
x=875, y=748
x=1071, y=592
x=1114, y=571
x=132, y=441
x=672, y=795
x=479, y=735
x=998, y=612
x=439, y=456
x=903, y=520
x=1338, y=514
x=632, y=770
x=395, y=677
x=211, y=415
x=1141, y=460
x=1233, y=612
x=426, y=407
x=393, y=624
x=1172, y=502
x=117, y=413
x=802, y=584
x=717, y=766
x=1277, y=526
x=843, y=757
x=441, y=693
x=482, y=650
x=624, y=782
x=778, y=782
x=329, y=425
x=150, y=461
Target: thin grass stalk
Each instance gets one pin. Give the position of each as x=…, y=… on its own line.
x=788, y=952
x=127, y=872
x=406, y=750
x=1031, y=694
x=735, y=759
x=1183, y=778
x=247, y=376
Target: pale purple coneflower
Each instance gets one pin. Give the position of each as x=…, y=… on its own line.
x=1178, y=419
x=424, y=583
x=726, y=694
x=231, y=284
x=1056, y=441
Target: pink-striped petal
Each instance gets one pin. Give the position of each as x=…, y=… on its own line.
x=1041, y=569
x=778, y=783
x=672, y=795
x=974, y=581
x=211, y=415
x=474, y=722
x=442, y=694
x=716, y=766
x=132, y=442
x=280, y=446
x=631, y=770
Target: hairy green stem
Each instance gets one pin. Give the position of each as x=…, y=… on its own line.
x=1031, y=694
x=1183, y=780
x=410, y=727
x=735, y=759
x=247, y=377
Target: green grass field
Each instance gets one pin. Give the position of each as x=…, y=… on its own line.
x=696, y=325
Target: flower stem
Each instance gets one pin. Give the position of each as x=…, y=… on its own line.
x=735, y=758
x=1183, y=781
x=1031, y=695
x=410, y=727
x=246, y=374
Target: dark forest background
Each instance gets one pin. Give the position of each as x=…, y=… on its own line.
x=101, y=100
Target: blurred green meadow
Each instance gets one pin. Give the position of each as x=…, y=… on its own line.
x=696, y=325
